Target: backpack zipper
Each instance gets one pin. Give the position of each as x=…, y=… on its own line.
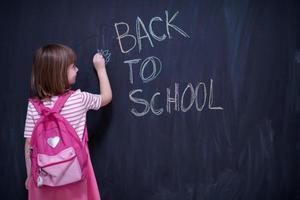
x=56, y=163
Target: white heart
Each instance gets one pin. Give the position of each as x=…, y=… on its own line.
x=53, y=141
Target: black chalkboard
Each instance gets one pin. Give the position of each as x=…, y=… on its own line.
x=206, y=94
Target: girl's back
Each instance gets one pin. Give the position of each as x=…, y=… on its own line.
x=74, y=111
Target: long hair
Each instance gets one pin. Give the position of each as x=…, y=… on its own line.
x=49, y=70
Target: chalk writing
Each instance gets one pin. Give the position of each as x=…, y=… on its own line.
x=106, y=54
x=174, y=100
x=178, y=99
x=140, y=26
x=156, y=68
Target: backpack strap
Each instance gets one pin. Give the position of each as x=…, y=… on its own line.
x=40, y=108
x=58, y=106
x=85, y=137
x=61, y=101
x=37, y=105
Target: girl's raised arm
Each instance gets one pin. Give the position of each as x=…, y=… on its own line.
x=104, y=85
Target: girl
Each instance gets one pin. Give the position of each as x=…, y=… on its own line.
x=53, y=73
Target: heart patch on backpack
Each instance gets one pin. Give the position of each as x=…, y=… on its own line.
x=53, y=141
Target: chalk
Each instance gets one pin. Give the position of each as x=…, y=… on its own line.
x=105, y=53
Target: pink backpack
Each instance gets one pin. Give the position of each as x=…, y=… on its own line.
x=58, y=156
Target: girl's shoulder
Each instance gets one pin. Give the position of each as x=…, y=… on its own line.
x=78, y=98
x=51, y=100
x=75, y=97
x=89, y=100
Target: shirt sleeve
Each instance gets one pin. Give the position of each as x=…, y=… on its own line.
x=91, y=101
x=29, y=122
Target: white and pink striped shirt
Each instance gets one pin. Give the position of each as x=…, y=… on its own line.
x=74, y=111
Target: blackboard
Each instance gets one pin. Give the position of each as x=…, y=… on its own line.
x=206, y=94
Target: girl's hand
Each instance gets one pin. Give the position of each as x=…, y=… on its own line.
x=104, y=85
x=27, y=182
x=99, y=62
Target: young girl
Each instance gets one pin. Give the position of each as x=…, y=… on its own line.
x=53, y=73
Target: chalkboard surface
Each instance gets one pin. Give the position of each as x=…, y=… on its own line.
x=206, y=94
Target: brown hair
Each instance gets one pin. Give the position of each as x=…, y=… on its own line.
x=49, y=70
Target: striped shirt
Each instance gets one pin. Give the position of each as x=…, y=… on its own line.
x=74, y=111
